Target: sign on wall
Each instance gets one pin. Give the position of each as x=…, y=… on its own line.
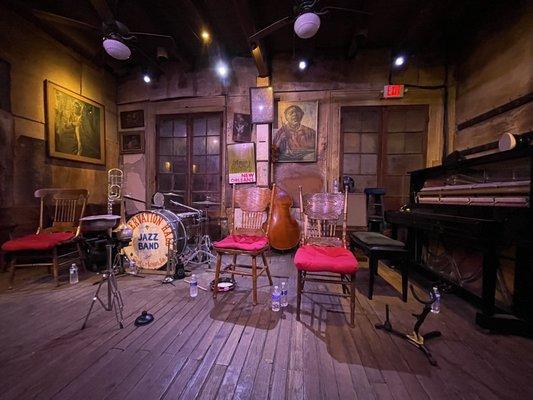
x=241, y=163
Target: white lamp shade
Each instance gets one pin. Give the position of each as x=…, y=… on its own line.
x=306, y=25
x=116, y=49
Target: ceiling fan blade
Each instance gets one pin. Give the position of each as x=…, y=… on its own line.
x=327, y=9
x=271, y=29
x=64, y=20
x=104, y=11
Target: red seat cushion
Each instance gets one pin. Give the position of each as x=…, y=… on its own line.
x=325, y=259
x=242, y=242
x=42, y=241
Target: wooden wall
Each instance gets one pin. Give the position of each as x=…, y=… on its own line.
x=333, y=84
x=498, y=69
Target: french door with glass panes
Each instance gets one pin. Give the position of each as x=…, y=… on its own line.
x=188, y=156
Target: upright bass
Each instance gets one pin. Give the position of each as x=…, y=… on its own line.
x=284, y=232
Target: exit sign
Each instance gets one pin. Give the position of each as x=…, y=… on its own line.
x=392, y=91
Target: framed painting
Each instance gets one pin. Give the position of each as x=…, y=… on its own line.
x=75, y=126
x=132, y=119
x=242, y=128
x=262, y=104
x=241, y=163
x=296, y=137
x=131, y=142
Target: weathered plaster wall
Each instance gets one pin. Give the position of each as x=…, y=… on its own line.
x=35, y=57
x=333, y=84
x=498, y=70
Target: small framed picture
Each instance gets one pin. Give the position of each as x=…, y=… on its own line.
x=132, y=119
x=262, y=104
x=241, y=163
x=131, y=142
x=242, y=128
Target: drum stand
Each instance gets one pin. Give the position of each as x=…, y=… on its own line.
x=114, y=298
x=202, y=250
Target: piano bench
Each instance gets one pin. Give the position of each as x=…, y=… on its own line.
x=380, y=247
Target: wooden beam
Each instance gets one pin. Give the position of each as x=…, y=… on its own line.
x=244, y=16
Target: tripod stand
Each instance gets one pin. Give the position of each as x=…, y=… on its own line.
x=201, y=252
x=114, y=298
x=416, y=339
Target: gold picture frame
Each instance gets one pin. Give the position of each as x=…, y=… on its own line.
x=75, y=125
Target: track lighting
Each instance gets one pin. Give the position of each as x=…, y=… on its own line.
x=302, y=65
x=222, y=69
x=399, y=61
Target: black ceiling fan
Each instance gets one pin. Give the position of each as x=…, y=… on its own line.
x=117, y=40
x=306, y=19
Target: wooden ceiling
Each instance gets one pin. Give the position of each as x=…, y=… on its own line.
x=428, y=28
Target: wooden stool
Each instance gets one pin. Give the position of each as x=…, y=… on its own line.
x=380, y=247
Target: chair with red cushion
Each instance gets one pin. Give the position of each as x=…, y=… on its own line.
x=59, y=241
x=248, y=235
x=322, y=255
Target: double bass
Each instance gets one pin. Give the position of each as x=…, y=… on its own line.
x=284, y=231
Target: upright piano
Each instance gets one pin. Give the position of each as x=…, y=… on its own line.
x=471, y=223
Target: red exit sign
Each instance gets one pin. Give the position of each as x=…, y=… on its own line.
x=393, y=91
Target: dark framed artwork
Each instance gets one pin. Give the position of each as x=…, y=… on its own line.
x=75, y=125
x=262, y=104
x=132, y=119
x=296, y=137
x=131, y=142
x=242, y=128
x=241, y=163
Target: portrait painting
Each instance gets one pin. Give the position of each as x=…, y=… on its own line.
x=262, y=104
x=241, y=163
x=131, y=142
x=75, y=126
x=242, y=128
x=132, y=119
x=296, y=137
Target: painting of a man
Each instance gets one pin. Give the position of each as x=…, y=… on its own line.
x=295, y=140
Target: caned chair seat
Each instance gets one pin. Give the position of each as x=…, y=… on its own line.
x=40, y=241
x=311, y=258
x=242, y=242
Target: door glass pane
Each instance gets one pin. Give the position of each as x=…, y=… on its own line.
x=198, y=146
x=212, y=182
x=165, y=128
x=180, y=181
x=213, y=125
x=180, y=128
x=199, y=165
x=164, y=182
x=165, y=164
x=199, y=126
x=165, y=147
x=180, y=164
x=213, y=164
x=198, y=182
x=213, y=145
x=180, y=147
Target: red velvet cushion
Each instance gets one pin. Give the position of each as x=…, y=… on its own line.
x=325, y=259
x=242, y=242
x=43, y=241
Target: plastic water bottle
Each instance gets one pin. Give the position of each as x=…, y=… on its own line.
x=276, y=297
x=284, y=301
x=435, y=307
x=133, y=267
x=193, y=286
x=335, y=186
x=73, y=274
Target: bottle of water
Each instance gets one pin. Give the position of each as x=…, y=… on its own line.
x=73, y=274
x=133, y=267
x=193, y=286
x=435, y=307
x=284, y=301
x=335, y=186
x=276, y=297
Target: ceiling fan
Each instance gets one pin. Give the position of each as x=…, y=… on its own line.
x=306, y=18
x=117, y=40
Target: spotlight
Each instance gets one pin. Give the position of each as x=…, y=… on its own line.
x=399, y=61
x=222, y=69
x=302, y=65
x=205, y=36
x=146, y=78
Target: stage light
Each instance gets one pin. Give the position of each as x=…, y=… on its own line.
x=206, y=37
x=146, y=78
x=222, y=69
x=399, y=61
x=302, y=65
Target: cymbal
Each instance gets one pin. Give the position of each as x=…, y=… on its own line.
x=206, y=203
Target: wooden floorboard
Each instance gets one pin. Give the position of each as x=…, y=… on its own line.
x=229, y=349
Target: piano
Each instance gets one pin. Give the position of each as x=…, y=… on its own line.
x=470, y=223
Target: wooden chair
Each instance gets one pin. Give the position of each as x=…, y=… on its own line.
x=59, y=241
x=248, y=235
x=323, y=255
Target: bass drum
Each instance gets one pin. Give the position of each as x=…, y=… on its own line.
x=151, y=231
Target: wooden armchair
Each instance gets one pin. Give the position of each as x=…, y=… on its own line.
x=57, y=241
x=248, y=235
x=322, y=254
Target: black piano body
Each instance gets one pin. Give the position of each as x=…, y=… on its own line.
x=481, y=203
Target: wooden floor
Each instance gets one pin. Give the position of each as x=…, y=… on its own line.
x=198, y=348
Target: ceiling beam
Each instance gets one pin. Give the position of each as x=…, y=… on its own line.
x=246, y=21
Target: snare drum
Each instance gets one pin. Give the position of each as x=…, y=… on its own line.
x=151, y=231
